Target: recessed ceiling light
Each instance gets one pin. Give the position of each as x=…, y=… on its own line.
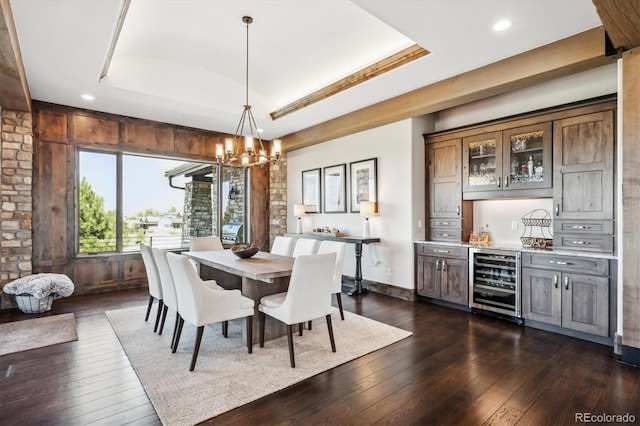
x=501, y=25
x=88, y=97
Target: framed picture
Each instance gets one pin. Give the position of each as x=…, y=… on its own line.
x=364, y=182
x=311, y=191
x=335, y=189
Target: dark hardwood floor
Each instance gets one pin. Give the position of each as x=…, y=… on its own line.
x=456, y=369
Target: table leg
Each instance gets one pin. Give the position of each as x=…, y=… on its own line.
x=358, y=289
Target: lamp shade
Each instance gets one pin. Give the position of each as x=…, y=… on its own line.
x=299, y=210
x=367, y=208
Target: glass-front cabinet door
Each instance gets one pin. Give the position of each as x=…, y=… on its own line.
x=482, y=159
x=527, y=157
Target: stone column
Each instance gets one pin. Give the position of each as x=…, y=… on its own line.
x=16, y=205
x=278, y=198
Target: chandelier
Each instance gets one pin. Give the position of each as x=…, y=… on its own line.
x=230, y=152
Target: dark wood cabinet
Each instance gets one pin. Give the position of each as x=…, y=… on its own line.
x=442, y=272
x=565, y=291
x=517, y=159
x=447, y=211
x=584, y=186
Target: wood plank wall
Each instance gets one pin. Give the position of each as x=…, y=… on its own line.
x=58, y=132
x=631, y=197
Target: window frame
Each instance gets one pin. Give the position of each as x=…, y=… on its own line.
x=119, y=155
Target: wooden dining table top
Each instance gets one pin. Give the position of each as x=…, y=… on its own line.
x=262, y=266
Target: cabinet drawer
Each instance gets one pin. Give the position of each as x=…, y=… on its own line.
x=457, y=252
x=446, y=223
x=585, y=265
x=445, y=234
x=584, y=227
x=584, y=242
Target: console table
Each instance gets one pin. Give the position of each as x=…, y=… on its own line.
x=358, y=241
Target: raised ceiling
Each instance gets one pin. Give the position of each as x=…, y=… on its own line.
x=183, y=62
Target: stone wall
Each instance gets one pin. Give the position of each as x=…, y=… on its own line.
x=197, y=219
x=278, y=198
x=16, y=206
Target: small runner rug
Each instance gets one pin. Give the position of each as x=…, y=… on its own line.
x=226, y=376
x=35, y=333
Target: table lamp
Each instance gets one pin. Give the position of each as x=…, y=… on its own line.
x=367, y=208
x=299, y=210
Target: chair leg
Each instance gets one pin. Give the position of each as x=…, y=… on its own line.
x=330, y=328
x=197, y=348
x=339, y=297
x=225, y=328
x=249, y=322
x=175, y=330
x=261, y=319
x=300, y=328
x=164, y=317
x=160, y=306
x=149, y=308
x=175, y=345
x=309, y=325
x=290, y=340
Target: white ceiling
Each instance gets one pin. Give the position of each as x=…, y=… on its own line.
x=183, y=61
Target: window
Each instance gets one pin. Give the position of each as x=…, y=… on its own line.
x=125, y=200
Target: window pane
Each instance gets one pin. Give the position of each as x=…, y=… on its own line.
x=233, y=205
x=97, y=203
x=152, y=210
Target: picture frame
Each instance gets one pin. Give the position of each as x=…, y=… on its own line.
x=364, y=182
x=311, y=190
x=335, y=189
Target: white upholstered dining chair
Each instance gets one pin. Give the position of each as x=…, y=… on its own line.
x=308, y=297
x=338, y=248
x=169, y=290
x=153, y=279
x=283, y=245
x=305, y=246
x=212, y=242
x=201, y=305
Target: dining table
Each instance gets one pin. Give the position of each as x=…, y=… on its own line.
x=260, y=275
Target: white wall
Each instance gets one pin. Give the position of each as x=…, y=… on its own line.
x=393, y=146
x=588, y=84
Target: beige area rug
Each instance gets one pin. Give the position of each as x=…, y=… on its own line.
x=226, y=376
x=35, y=333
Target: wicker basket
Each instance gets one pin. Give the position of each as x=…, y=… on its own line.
x=34, y=305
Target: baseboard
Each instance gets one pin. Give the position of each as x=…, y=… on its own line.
x=382, y=288
x=603, y=340
x=630, y=355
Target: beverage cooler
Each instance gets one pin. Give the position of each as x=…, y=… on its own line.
x=494, y=282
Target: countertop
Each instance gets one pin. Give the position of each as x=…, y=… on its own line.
x=518, y=247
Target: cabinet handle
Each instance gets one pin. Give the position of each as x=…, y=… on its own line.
x=438, y=265
x=444, y=235
x=458, y=210
x=580, y=227
x=581, y=243
x=498, y=181
x=557, y=209
x=566, y=283
x=506, y=181
x=444, y=223
x=555, y=281
x=440, y=251
x=559, y=262
x=444, y=265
